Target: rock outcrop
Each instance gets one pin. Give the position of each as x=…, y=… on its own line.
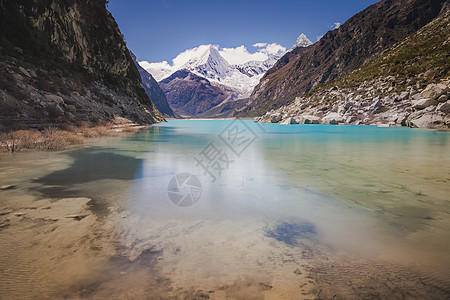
x=64, y=61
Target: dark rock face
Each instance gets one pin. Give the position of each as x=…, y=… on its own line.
x=190, y=95
x=71, y=51
x=154, y=91
x=340, y=51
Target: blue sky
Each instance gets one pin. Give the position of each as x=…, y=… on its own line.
x=157, y=30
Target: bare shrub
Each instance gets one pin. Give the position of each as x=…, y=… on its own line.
x=90, y=130
x=21, y=139
x=50, y=139
x=53, y=138
x=57, y=139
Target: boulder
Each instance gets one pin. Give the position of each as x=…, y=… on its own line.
x=442, y=98
x=417, y=96
x=32, y=73
x=376, y=107
x=444, y=107
x=445, y=88
x=423, y=103
x=275, y=118
x=350, y=119
x=289, y=121
x=54, y=98
x=332, y=119
x=432, y=91
x=403, y=95
x=24, y=72
x=428, y=120
x=17, y=77
x=308, y=119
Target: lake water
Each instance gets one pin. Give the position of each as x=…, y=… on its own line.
x=281, y=212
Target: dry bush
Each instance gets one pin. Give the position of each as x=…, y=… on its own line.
x=53, y=138
x=56, y=139
x=21, y=139
x=90, y=130
x=49, y=139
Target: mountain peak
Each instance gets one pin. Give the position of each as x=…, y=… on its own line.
x=302, y=41
x=210, y=64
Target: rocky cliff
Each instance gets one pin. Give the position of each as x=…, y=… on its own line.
x=65, y=61
x=339, y=52
x=407, y=85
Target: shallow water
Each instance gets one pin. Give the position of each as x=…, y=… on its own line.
x=299, y=211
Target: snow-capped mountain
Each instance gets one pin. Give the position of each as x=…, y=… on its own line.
x=210, y=64
x=208, y=80
x=208, y=61
x=302, y=41
x=255, y=68
x=216, y=64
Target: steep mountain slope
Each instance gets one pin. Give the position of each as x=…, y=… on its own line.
x=340, y=51
x=190, y=95
x=154, y=91
x=407, y=85
x=67, y=61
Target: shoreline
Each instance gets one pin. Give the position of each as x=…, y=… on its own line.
x=58, y=137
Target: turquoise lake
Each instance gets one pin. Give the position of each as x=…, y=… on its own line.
x=275, y=212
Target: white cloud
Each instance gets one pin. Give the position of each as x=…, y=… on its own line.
x=260, y=45
x=335, y=25
x=240, y=55
x=158, y=70
x=273, y=49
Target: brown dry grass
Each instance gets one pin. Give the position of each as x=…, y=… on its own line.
x=49, y=139
x=52, y=138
